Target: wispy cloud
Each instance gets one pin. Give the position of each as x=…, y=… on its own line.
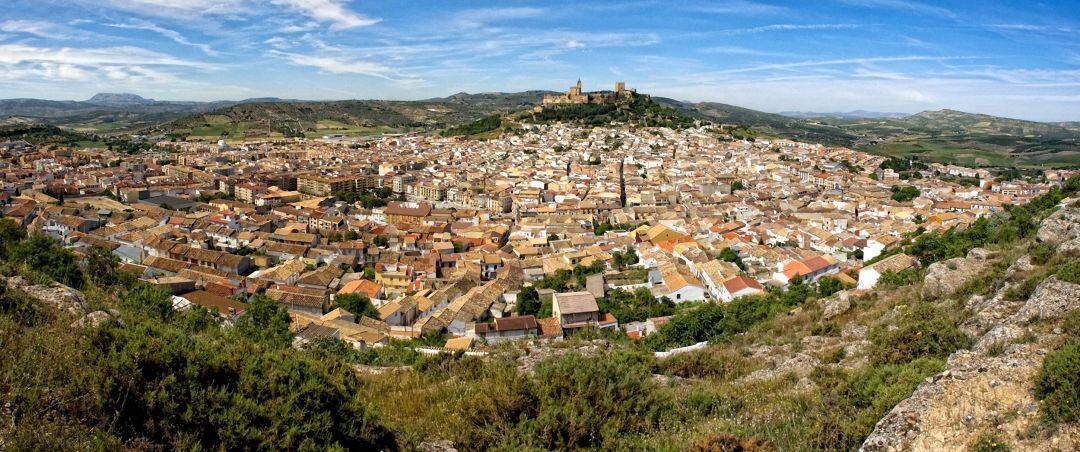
x=39, y=28
x=482, y=16
x=788, y=27
x=344, y=65
x=737, y=7
x=333, y=11
x=168, y=33
x=904, y=5
x=835, y=62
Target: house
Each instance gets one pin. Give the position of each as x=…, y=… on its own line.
x=739, y=286
x=682, y=286
x=576, y=310
x=809, y=269
x=370, y=289
x=869, y=275
x=406, y=212
x=507, y=328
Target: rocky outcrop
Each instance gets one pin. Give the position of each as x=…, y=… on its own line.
x=981, y=391
x=1053, y=299
x=54, y=294
x=836, y=306
x=1061, y=226
x=945, y=277
x=801, y=365
x=439, y=445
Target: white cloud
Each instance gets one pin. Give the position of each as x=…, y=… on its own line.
x=39, y=28
x=483, y=16
x=332, y=11
x=171, y=34
x=120, y=55
x=738, y=7
x=338, y=65
x=904, y=5
x=788, y=27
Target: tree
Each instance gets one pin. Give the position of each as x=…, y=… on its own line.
x=43, y=254
x=265, y=321
x=528, y=301
x=101, y=265
x=10, y=235
x=357, y=304
x=904, y=193
x=827, y=285
x=730, y=255
x=351, y=235
x=369, y=274
x=737, y=185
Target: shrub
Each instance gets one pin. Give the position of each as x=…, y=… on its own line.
x=586, y=401
x=1041, y=253
x=1057, y=385
x=923, y=331
x=825, y=329
x=854, y=401
x=45, y=255
x=989, y=442
x=1024, y=290
x=1070, y=272
x=705, y=364
x=726, y=442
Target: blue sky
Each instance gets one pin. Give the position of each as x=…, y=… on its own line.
x=1017, y=59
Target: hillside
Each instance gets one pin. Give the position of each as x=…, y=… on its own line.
x=349, y=117
x=93, y=359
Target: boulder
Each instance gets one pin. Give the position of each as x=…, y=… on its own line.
x=1060, y=227
x=801, y=365
x=92, y=320
x=835, y=306
x=945, y=277
x=1053, y=299
x=59, y=296
x=1020, y=268
x=438, y=445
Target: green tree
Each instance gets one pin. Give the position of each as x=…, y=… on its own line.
x=730, y=255
x=265, y=321
x=904, y=193
x=101, y=265
x=357, y=304
x=43, y=254
x=10, y=236
x=528, y=301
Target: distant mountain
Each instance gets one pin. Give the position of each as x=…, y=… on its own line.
x=854, y=114
x=118, y=99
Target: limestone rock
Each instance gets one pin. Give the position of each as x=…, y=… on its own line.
x=1052, y=299
x=836, y=306
x=93, y=320
x=1060, y=227
x=438, y=445
x=1020, y=268
x=59, y=296
x=944, y=278
x=801, y=365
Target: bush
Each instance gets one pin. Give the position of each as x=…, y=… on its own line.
x=359, y=305
x=726, y=442
x=825, y=329
x=1041, y=253
x=708, y=363
x=855, y=401
x=588, y=401
x=45, y=255
x=989, y=442
x=923, y=331
x=1070, y=272
x=1057, y=385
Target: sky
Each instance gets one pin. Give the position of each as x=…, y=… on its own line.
x=1018, y=59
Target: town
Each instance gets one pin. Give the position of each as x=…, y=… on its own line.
x=536, y=233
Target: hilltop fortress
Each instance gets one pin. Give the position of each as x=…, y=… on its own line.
x=574, y=96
